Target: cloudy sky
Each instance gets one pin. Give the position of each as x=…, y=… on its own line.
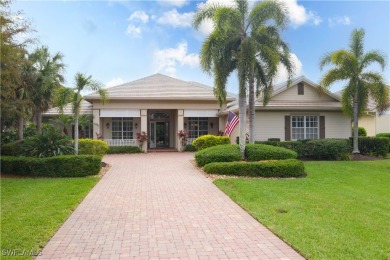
x=121, y=41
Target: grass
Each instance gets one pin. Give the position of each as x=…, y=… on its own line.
x=341, y=210
x=32, y=210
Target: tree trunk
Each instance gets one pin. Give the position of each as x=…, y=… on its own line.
x=76, y=129
x=251, y=110
x=39, y=122
x=355, y=123
x=242, y=116
x=20, y=128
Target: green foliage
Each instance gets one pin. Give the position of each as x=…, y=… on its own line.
x=383, y=135
x=49, y=143
x=279, y=168
x=274, y=139
x=58, y=166
x=297, y=146
x=92, y=147
x=220, y=153
x=377, y=146
x=190, y=148
x=327, y=149
x=206, y=141
x=12, y=149
x=31, y=130
x=361, y=131
x=258, y=152
x=123, y=149
x=8, y=136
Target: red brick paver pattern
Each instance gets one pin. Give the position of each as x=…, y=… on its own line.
x=159, y=206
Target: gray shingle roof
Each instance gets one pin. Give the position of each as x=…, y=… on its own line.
x=163, y=87
x=86, y=108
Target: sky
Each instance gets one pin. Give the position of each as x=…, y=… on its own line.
x=121, y=41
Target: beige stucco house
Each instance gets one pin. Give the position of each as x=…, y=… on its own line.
x=161, y=106
x=374, y=123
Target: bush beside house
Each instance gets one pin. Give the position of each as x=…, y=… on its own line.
x=206, y=141
x=57, y=166
x=258, y=152
x=123, y=149
x=220, y=153
x=92, y=147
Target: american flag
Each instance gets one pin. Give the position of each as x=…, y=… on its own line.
x=231, y=123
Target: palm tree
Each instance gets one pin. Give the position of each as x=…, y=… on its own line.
x=49, y=71
x=243, y=41
x=353, y=66
x=82, y=83
x=63, y=121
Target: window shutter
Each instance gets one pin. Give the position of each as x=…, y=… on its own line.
x=322, y=127
x=301, y=90
x=287, y=128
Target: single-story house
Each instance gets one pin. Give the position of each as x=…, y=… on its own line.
x=161, y=106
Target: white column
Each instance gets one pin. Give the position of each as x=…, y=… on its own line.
x=180, y=126
x=96, y=123
x=144, y=127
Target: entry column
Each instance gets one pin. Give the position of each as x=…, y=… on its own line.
x=144, y=127
x=96, y=124
x=180, y=123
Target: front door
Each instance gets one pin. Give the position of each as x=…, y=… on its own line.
x=159, y=134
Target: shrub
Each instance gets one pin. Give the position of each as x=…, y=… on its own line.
x=49, y=143
x=296, y=146
x=258, y=152
x=8, y=136
x=190, y=148
x=12, y=149
x=58, y=166
x=92, y=147
x=377, y=146
x=220, y=153
x=123, y=149
x=280, y=168
x=383, y=135
x=274, y=139
x=361, y=131
x=206, y=141
x=327, y=149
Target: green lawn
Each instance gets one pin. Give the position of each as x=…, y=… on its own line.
x=341, y=210
x=32, y=210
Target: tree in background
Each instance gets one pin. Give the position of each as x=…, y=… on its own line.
x=353, y=66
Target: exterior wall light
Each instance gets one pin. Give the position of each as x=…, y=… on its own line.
x=108, y=125
x=211, y=125
x=185, y=125
x=136, y=125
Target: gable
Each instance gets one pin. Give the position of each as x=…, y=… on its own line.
x=310, y=94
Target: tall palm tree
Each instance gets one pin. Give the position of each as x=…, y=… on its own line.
x=353, y=66
x=237, y=42
x=66, y=95
x=49, y=70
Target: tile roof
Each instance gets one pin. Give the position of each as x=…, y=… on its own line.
x=86, y=108
x=162, y=87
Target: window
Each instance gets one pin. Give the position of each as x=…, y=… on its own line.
x=197, y=126
x=122, y=128
x=304, y=127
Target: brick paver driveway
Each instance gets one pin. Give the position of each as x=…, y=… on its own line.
x=159, y=206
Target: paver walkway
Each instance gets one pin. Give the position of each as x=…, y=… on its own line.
x=159, y=206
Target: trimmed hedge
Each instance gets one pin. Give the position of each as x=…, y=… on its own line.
x=280, y=168
x=190, y=148
x=57, y=166
x=296, y=146
x=123, y=149
x=12, y=149
x=328, y=149
x=383, y=135
x=92, y=147
x=258, y=152
x=377, y=146
x=206, y=141
x=220, y=153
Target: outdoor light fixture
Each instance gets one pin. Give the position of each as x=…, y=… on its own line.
x=136, y=125
x=108, y=125
x=185, y=125
x=211, y=125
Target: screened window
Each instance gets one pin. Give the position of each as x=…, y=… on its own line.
x=122, y=128
x=197, y=126
x=304, y=127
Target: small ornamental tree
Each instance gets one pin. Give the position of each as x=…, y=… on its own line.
x=183, y=136
x=142, y=137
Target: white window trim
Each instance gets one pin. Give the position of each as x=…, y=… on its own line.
x=304, y=129
x=132, y=129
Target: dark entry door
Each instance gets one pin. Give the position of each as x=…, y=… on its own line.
x=162, y=134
